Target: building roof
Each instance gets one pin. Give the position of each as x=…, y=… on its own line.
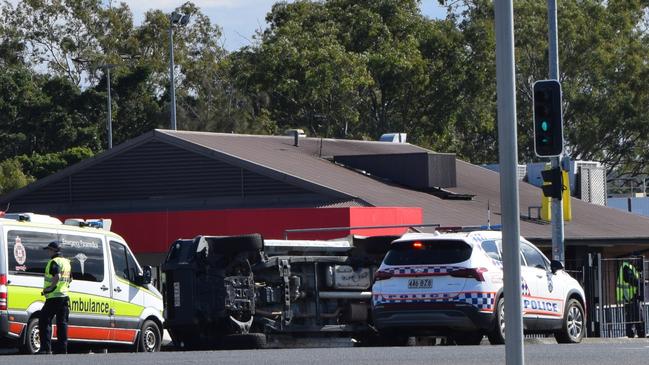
x=309, y=166
x=590, y=222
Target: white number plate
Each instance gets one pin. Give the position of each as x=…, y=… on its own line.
x=420, y=283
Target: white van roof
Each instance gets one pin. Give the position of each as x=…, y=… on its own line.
x=32, y=217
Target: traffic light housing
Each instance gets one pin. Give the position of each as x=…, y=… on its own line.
x=552, y=183
x=548, y=119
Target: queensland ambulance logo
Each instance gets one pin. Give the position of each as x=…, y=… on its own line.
x=20, y=254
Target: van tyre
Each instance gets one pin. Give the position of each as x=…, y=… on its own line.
x=249, y=341
x=32, y=338
x=573, y=326
x=150, y=338
x=496, y=335
x=235, y=244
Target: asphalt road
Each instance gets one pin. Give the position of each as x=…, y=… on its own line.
x=634, y=352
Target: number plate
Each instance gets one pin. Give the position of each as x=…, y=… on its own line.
x=420, y=283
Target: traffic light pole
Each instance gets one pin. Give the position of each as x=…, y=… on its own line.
x=509, y=201
x=558, y=248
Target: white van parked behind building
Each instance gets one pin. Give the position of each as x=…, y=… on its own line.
x=111, y=296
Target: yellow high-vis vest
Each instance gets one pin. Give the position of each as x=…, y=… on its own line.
x=63, y=285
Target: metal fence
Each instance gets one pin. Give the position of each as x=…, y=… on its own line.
x=615, y=320
x=614, y=310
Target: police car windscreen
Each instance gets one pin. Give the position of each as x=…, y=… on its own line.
x=428, y=252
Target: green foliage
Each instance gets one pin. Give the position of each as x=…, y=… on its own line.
x=12, y=176
x=603, y=63
x=353, y=69
x=42, y=165
x=336, y=68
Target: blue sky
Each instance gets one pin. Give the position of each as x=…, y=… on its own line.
x=240, y=18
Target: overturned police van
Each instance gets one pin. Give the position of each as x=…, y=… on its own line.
x=234, y=291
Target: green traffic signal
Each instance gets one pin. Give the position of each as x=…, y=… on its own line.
x=548, y=129
x=544, y=125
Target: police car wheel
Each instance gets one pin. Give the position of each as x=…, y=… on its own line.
x=497, y=334
x=574, y=322
x=32, y=340
x=150, y=338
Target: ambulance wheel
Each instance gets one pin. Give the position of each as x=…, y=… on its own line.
x=32, y=339
x=572, y=330
x=150, y=338
x=235, y=244
x=497, y=334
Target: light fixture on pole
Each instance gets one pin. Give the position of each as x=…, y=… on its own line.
x=180, y=19
x=109, y=121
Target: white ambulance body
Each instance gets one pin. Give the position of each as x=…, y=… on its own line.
x=112, y=300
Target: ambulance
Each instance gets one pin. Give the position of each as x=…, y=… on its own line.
x=112, y=300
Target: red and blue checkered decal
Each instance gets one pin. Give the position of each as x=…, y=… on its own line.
x=484, y=301
x=420, y=270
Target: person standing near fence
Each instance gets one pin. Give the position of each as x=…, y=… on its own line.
x=628, y=294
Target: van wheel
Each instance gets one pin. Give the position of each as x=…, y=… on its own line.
x=572, y=330
x=32, y=339
x=235, y=244
x=249, y=341
x=150, y=338
x=497, y=333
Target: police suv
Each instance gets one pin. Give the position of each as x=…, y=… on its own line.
x=451, y=284
x=111, y=298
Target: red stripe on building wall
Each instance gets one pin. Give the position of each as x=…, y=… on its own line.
x=153, y=232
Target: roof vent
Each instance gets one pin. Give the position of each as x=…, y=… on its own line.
x=394, y=137
x=419, y=170
x=292, y=131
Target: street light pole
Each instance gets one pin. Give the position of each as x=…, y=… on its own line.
x=110, y=104
x=172, y=86
x=174, y=18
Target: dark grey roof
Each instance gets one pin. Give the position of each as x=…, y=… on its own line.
x=308, y=167
x=590, y=222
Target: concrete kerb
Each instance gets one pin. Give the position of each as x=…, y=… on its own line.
x=589, y=340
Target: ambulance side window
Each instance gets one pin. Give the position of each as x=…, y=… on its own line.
x=25, y=251
x=123, y=262
x=86, y=255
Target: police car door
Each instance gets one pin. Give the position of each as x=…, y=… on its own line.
x=128, y=300
x=90, y=301
x=543, y=300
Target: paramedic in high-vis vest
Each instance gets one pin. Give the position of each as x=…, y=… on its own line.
x=58, y=275
x=628, y=295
